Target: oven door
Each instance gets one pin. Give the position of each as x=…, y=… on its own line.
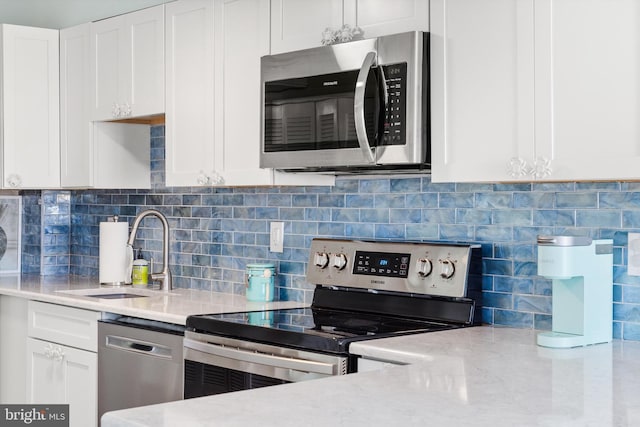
x=214, y=365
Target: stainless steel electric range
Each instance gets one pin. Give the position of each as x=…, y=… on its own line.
x=364, y=290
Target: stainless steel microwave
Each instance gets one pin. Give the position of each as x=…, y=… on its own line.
x=356, y=106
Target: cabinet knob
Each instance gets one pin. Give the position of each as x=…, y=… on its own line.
x=541, y=168
x=212, y=178
x=14, y=180
x=48, y=351
x=517, y=167
x=58, y=354
x=115, y=110
x=126, y=110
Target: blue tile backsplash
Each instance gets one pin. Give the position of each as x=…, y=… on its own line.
x=215, y=232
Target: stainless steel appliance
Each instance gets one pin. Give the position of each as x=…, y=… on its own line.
x=139, y=363
x=365, y=290
x=362, y=105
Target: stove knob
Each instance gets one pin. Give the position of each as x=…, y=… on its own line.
x=424, y=267
x=448, y=269
x=339, y=261
x=321, y=259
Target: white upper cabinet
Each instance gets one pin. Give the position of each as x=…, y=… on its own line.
x=298, y=24
x=212, y=131
x=189, y=120
x=127, y=54
x=30, y=108
x=237, y=87
x=382, y=17
x=481, y=88
x=238, y=96
x=587, y=78
x=535, y=90
x=75, y=88
x=98, y=154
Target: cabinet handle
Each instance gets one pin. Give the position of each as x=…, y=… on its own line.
x=213, y=178
x=48, y=351
x=58, y=354
x=541, y=168
x=126, y=110
x=14, y=180
x=517, y=167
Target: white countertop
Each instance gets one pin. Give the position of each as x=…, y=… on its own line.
x=481, y=376
x=172, y=307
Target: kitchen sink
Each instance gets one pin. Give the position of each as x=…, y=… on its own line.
x=117, y=293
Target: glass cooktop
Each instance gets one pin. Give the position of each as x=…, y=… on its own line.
x=309, y=328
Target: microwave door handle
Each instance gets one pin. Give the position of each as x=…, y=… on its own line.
x=358, y=107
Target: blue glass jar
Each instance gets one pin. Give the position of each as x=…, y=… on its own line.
x=260, y=282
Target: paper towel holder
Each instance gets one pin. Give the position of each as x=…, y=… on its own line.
x=113, y=271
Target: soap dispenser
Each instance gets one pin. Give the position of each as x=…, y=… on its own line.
x=140, y=271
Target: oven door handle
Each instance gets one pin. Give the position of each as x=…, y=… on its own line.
x=262, y=358
x=358, y=107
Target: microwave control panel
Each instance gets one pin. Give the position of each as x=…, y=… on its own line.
x=395, y=111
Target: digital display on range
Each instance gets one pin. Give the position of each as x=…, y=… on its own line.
x=381, y=264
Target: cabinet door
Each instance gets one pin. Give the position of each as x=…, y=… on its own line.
x=238, y=53
x=238, y=103
x=13, y=344
x=298, y=24
x=482, y=89
x=144, y=63
x=107, y=53
x=189, y=123
x=59, y=374
x=76, y=149
x=30, y=88
x=587, y=75
x=381, y=17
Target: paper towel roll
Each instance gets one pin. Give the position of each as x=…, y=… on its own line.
x=113, y=253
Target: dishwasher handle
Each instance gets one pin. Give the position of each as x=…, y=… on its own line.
x=136, y=346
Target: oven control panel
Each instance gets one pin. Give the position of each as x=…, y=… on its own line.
x=436, y=269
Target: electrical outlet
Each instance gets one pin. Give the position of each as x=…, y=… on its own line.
x=277, y=237
x=633, y=254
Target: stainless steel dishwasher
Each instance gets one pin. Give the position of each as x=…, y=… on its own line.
x=140, y=363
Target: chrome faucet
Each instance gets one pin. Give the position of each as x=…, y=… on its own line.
x=164, y=277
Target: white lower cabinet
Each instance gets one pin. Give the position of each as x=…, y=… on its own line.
x=62, y=360
x=60, y=374
x=13, y=335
